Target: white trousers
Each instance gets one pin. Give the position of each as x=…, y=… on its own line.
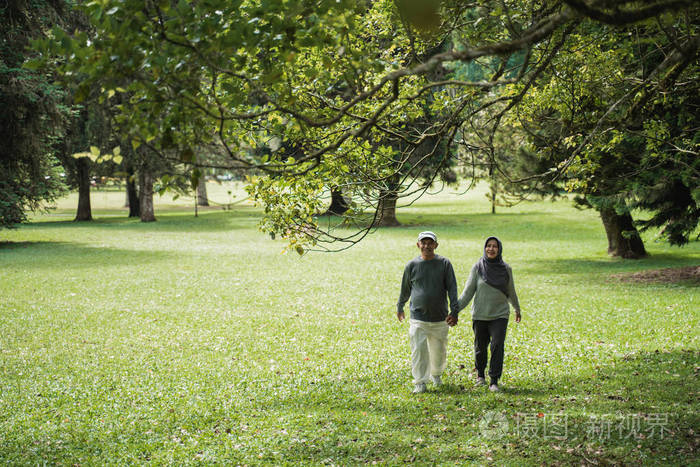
x=428, y=349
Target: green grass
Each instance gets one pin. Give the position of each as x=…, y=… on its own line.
x=194, y=340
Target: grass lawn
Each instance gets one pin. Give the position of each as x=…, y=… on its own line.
x=194, y=340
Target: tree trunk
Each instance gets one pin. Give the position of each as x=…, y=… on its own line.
x=339, y=204
x=146, y=196
x=493, y=197
x=132, y=194
x=387, y=210
x=202, y=199
x=84, y=209
x=623, y=238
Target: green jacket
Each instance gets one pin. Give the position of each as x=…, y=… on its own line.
x=429, y=284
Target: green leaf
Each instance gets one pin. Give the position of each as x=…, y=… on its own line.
x=78, y=155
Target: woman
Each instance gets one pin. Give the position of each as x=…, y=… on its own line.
x=491, y=285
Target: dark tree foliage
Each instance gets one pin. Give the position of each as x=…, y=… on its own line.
x=32, y=116
x=617, y=117
x=668, y=188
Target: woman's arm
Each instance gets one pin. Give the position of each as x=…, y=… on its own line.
x=469, y=289
x=512, y=295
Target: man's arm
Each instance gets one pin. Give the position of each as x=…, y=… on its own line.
x=451, y=286
x=405, y=293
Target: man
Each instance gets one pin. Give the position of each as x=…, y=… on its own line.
x=428, y=280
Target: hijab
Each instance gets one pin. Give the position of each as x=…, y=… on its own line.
x=494, y=271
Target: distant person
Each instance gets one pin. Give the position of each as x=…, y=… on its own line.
x=491, y=285
x=428, y=280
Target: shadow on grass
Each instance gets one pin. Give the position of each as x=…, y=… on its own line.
x=9, y=245
x=638, y=395
x=48, y=255
x=604, y=267
x=209, y=221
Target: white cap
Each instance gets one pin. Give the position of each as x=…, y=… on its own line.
x=427, y=234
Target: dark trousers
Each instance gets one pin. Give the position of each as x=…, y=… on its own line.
x=495, y=333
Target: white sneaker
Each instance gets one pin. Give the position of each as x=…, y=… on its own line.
x=481, y=381
x=494, y=388
x=437, y=381
x=419, y=388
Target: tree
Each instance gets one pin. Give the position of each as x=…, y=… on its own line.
x=88, y=136
x=146, y=207
x=639, y=84
x=221, y=72
x=131, y=190
x=202, y=198
x=339, y=205
x=33, y=117
x=500, y=158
